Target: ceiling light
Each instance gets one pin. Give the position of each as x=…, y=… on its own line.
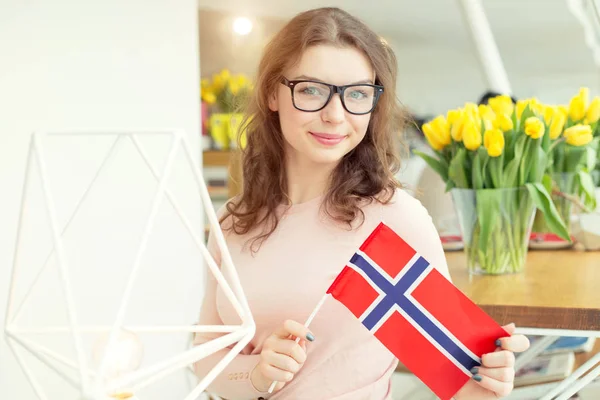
x=242, y=26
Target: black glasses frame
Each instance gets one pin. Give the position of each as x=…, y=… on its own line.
x=333, y=90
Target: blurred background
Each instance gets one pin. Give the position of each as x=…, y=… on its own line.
x=131, y=65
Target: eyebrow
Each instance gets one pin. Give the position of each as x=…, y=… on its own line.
x=312, y=78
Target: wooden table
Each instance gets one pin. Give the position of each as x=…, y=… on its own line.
x=557, y=294
x=556, y=290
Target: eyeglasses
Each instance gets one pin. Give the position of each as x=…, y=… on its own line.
x=312, y=96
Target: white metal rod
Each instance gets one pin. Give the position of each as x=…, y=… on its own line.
x=556, y=332
x=583, y=382
x=62, y=263
x=226, y=260
x=137, y=329
x=482, y=36
x=156, y=371
x=32, y=346
x=306, y=324
x=41, y=353
x=217, y=369
x=119, y=132
x=589, y=364
x=137, y=262
x=199, y=243
x=37, y=388
x=64, y=230
x=8, y=317
x=536, y=349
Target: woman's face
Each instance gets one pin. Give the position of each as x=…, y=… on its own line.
x=325, y=136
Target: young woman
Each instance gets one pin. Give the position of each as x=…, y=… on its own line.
x=318, y=178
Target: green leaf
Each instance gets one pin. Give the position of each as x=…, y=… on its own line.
x=544, y=203
x=592, y=154
x=587, y=187
x=574, y=157
x=527, y=112
x=511, y=173
x=538, y=166
x=495, y=168
x=488, y=212
x=525, y=163
x=547, y=182
x=449, y=185
x=438, y=165
x=456, y=172
x=477, y=172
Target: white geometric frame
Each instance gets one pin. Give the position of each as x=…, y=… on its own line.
x=91, y=384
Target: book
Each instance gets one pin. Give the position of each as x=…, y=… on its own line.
x=546, y=368
x=567, y=344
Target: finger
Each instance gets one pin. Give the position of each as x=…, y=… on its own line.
x=506, y=374
x=281, y=361
x=294, y=328
x=510, y=328
x=288, y=348
x=514, y=343
x=275, y=374
x=500, y=388
x=500, y=359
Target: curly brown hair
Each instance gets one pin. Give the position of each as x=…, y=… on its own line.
x=364, y=174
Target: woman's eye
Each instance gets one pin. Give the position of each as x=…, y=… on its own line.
x=311, y=90
x=357, y=95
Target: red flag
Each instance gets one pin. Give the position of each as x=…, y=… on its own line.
x=424, y=320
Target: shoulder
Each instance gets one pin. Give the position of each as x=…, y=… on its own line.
x=411, y=221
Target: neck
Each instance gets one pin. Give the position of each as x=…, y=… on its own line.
x=307, y=180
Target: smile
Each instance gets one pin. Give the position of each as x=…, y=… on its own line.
x=327, y=139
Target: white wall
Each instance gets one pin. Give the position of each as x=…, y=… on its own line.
x=111, y=64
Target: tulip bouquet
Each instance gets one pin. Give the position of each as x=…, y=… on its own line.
x=226, y=93
x=572, y=156
x=225, y=90
x=493, y=159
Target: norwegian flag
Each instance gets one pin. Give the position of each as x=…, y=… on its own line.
x=424, y=320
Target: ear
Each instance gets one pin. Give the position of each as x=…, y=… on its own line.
x=273, y=104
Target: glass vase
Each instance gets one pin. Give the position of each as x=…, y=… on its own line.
x=495, y=225
x=542, y=237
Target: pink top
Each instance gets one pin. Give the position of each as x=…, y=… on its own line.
x=286, y=279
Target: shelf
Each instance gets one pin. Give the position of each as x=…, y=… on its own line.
x=231, y=160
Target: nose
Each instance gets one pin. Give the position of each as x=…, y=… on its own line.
x=334, y=111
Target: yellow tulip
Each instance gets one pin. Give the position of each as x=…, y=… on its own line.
x=225, y=75
x=564, y=110
x=502, y=104
x=471, y=134
x=578, y=105
x=452, y=116
x=204, y=83
x=493, y=140
x=534, y=128
x=548, y=112
x=579, y=135
x=455, y=120
x=503, y=122
x=557, y=125
x=437, y=133
x=521, y=104
x=536, y=106
x=209, y=97
x=593, y=112
x=471, y=110
x=234, y=87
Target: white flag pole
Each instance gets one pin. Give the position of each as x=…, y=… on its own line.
x=306, y=324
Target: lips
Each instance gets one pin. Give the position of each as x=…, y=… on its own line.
x=328, y=139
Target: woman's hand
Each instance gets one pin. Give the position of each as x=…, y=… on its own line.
x=495, y=378
x=281, y=357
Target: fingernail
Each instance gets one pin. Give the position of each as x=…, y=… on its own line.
x=474, y=370
x=498, y=343
x=310, y=337
x=477, y=378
